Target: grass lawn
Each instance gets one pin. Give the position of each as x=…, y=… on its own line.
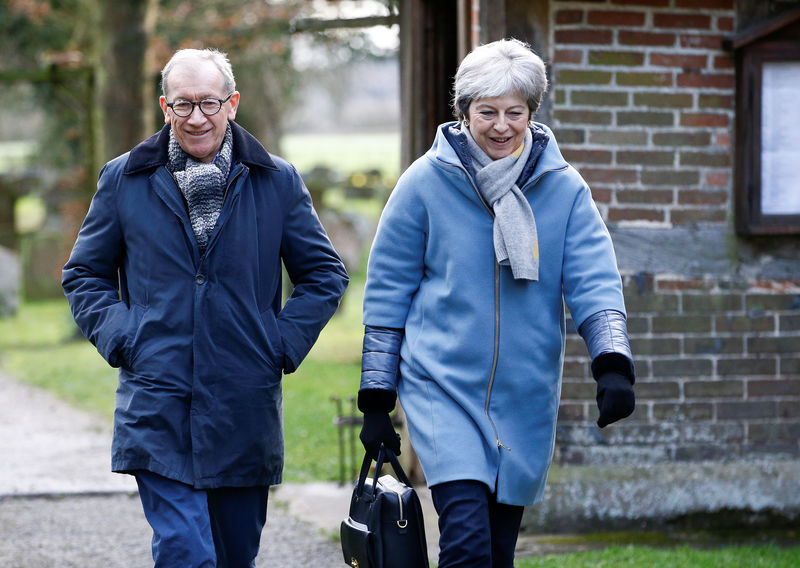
x=345, y=152
x=679, y=557
x=39, y=346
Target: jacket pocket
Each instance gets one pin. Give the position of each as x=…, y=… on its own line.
x=132, y=336
x=275, y=351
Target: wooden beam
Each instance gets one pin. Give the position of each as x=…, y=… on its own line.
x=321, y=24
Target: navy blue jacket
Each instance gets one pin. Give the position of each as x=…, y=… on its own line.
x=201, y=341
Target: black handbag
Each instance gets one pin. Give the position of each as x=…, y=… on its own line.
x=385, y=527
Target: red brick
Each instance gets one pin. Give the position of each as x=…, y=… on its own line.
x=698, y=411
x=583, y=156
x=725, y=24
x=609, y=175
x=683, y=367
x=737, y=324
x=723, y=62
x=701, y=41
x=582, y=77
x=663, y=100
x=616, y=214
x=723, y=140
x=707, y=119
x=655, y=346
x=644, y=79
x=773, y=388
x=692, y=216
x=571, y=413
x=714, y=389
x=570, y=116
x=587, y=36
x=684, y=61
x=660, y=389
x=646, y=157
x=655, y=3
x=648, y=118
x=707, y=80
x=657, y=196
x=670, y=176
x=706, y=4
x=715, y=101
x=699, y=197
x=682, y=138
x=629, y=37
x=682, y=21
x=618, y=137
x=746, y=410
x=568, y=56
x=630, y=58
x=569, y=17
x=600, y=98
x=601, y=194
x=785, y=344
x=708, y=159
x=615, y=18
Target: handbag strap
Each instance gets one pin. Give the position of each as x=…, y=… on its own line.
x=384, y=453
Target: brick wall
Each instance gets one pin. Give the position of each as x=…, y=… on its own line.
x=718, y=375
x=644, y=109
x=643, y=106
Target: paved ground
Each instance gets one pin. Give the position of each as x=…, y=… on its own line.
x=61, y=507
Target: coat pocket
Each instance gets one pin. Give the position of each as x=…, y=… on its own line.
x=132, y=345
x=275, y=351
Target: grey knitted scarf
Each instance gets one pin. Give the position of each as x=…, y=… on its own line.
x=516, y=242
x=202, y=185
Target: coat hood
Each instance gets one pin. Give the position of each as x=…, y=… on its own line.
x=444, y=150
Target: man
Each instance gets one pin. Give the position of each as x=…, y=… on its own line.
x=176, y=279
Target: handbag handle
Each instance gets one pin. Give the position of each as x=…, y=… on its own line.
x=383, y=454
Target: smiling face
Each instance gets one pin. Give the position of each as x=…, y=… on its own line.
x=199, y=135
x=499, y=124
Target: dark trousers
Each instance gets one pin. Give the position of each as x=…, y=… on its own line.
x=202, y=528
x=475, y=530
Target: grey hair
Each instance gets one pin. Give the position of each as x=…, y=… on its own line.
x=215, y=56
x=498, y=69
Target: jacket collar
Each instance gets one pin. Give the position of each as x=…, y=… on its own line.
x=152, y=153
x=446, y=149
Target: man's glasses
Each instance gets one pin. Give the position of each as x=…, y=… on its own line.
x=208, y=107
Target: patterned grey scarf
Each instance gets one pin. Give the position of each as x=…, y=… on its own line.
x=516, y=241
x=202, y=185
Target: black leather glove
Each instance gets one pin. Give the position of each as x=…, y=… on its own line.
x=615, y=398
x=378, y=429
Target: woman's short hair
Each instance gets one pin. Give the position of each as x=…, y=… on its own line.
x=215, y=56
x=498, y=69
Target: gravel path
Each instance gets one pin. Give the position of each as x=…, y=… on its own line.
x=60, y=507
x=109, y=531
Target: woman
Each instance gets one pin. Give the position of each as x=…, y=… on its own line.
x=482, y=242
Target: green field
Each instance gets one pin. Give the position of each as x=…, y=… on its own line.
x=767, y=556
x=39, y=346
x=345, y=152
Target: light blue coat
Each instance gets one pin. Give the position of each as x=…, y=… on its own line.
x=481, y=360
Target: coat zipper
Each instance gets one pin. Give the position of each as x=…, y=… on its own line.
x=496, y=347
x=496, y=353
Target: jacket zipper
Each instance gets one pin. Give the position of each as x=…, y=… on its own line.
x=496, y=353
x=496, y=347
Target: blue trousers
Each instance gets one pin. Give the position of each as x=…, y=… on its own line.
x=475, y=531
x=202, y=528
